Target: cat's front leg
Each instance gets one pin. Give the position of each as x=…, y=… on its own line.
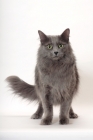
x=64, y=111
x=47, y=106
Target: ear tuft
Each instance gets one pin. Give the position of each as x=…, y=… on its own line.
x=65, y=35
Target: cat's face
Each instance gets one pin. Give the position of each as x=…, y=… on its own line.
x=54, y=47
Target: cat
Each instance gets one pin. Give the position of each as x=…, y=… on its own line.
x=56, y=79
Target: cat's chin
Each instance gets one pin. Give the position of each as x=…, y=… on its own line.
x=56, y=58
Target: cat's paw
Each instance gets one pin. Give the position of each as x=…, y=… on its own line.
x=46, y=121
x=35, y=116
x=73, y=116
x=64, y=120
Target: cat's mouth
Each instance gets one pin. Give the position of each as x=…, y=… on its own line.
x=55, y=57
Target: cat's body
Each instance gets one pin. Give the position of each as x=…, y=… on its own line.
x=56, y=78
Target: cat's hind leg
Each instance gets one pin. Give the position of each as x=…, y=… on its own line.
x=38, y=114
x=72, y=114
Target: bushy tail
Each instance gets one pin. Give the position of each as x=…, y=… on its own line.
x=21, y=88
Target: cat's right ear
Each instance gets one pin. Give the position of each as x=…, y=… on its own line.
x=43, y=37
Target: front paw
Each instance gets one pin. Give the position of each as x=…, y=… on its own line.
x=64, y=120
x=46, y=121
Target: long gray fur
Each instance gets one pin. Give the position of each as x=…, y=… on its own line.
x=56, y=79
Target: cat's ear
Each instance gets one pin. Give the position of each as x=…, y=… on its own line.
x=65, y=35
x=43, y=37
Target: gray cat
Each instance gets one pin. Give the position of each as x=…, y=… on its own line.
x=56, y=79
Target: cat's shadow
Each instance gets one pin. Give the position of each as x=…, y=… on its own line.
x=56, y=120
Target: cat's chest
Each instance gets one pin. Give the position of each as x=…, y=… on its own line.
x=55, y=78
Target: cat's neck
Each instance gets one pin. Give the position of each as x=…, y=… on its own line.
x=48, y=63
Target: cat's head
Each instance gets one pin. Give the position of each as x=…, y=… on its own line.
x=54, y=47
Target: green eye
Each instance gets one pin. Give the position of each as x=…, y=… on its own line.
x=49, y=46
x=60, y=46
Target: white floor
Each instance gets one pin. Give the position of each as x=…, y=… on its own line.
x=22, y=127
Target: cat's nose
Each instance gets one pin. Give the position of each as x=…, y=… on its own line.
x=55, y=53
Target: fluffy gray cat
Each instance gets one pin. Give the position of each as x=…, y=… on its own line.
x=56, y=79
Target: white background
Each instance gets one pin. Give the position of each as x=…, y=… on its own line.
x=19, y=41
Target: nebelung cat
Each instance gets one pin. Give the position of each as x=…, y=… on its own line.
x=56, y=79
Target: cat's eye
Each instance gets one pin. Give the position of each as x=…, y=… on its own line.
x=49, y=46
x=60, y=46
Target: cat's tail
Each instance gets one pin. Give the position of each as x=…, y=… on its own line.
x=21, y=88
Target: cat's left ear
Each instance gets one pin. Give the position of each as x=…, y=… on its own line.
x=65, y=35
